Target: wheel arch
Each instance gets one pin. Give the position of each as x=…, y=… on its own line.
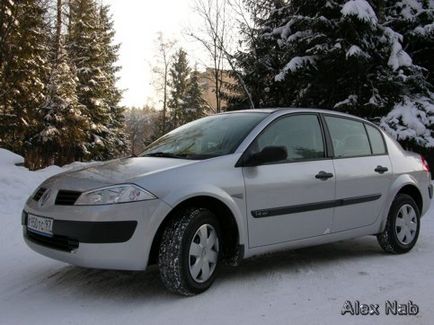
x=231, y=229
x=403, y=185
x=413, y=191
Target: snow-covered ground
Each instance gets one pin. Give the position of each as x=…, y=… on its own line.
x=306, y=286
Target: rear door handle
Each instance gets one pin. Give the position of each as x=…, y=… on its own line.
x=323, y=175
x=381, y=169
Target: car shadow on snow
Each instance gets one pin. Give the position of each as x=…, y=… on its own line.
x=305, y=260
x=133, y=286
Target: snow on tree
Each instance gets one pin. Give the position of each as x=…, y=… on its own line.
x=51, y=95
x=179, y=81
x=64, y=125
x=414, y=20
x=116, y=138
x=360, y=9
x=257, y=57
x=89, y=45
x=23, y=70
x=8, y=21
x=185, y=101
x=194, y=105
x=412, y=120
x=346, y=57
x=338, y=54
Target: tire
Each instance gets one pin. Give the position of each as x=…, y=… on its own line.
x=183, y=250
x=402, y=227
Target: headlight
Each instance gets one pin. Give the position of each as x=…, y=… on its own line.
x=114, y=194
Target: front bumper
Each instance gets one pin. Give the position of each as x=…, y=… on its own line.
x=108, y=237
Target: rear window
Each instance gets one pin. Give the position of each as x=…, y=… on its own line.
x=377, y=142
x=348, y=136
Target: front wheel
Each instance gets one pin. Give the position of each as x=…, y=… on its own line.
x=189, y=252
x=402, y=227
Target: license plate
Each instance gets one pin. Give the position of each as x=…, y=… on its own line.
x=40, y=225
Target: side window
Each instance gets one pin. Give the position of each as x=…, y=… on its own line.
x=300, y=134
x=376, y=138
x=349, y=137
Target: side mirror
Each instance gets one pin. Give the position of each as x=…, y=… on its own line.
x=267, y=155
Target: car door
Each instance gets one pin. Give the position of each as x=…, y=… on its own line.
x=290, y=199
x=363, y=172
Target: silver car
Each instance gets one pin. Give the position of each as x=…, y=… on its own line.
x=231, y=186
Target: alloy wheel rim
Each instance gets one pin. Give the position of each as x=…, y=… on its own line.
x=406, y=224
x=203, y=253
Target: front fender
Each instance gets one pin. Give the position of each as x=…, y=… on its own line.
x=236, y=204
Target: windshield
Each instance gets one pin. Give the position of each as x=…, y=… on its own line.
x=208, y=137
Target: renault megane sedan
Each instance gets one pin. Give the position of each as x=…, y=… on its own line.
x=230, y=186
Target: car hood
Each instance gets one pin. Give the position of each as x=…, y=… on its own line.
x=124, y=170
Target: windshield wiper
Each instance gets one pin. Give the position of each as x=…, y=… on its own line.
x=165, y=155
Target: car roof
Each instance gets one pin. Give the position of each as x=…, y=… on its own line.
x=293, y=110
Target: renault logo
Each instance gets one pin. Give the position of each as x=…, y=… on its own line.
x=44, y=198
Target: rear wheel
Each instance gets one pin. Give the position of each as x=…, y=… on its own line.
x=402, y=227
x=189, y=252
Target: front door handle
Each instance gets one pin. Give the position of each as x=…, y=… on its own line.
x=323, y=175
x=381, y=169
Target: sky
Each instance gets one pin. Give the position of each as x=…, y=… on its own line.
x=137, y=23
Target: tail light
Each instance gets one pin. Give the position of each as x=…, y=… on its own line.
x=425, y=165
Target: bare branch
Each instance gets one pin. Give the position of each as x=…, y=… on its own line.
x=217, y=42
x=161, y=69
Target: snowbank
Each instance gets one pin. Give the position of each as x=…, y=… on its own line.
x=8, y=158
x=17, y=183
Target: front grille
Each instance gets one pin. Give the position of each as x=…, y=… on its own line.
x=39, y=193
x=56, y=242
x=67, y=197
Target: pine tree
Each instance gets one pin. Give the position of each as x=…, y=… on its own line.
x=179, y=77
x=116, y=139
x=414, y=20
x=8, y=23
x=257, y=57
x=339, y=54
x=412, y=119
x=87, y=54
x=194, y=105
x=141, y=128
x=23, y=71
x=64, y=126
x=59, y=102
